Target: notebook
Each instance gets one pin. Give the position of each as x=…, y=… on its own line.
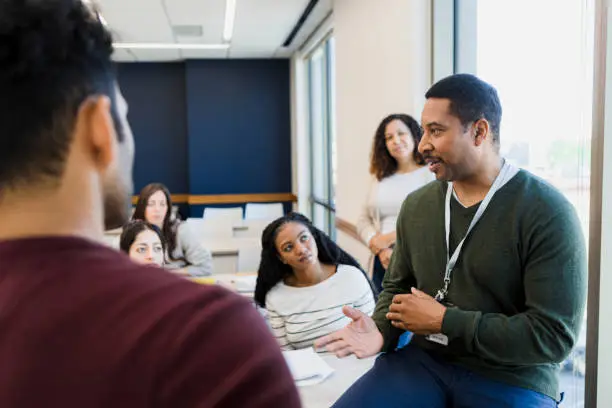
x=307, y=367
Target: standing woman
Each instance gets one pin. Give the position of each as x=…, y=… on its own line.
x=186, y=255
x=398, y=170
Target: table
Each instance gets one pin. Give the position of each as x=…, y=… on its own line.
x=346, y=371
x=226, y=280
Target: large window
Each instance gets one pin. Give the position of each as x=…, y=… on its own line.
x=539, y=55
x=322, y=140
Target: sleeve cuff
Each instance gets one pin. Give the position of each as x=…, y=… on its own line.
x=459, y=324
x=390, y=335
x=196, y=271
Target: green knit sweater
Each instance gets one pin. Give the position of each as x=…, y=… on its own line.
x=518, y=289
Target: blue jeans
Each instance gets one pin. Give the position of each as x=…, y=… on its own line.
x=412, y=378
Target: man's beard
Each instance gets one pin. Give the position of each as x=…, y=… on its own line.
x=117, y=204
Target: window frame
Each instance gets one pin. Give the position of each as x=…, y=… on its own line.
x=454, y=36
x=316, y=202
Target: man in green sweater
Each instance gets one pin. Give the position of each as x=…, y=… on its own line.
x=488, y=272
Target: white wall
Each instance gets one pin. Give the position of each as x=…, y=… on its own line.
x=383, y=65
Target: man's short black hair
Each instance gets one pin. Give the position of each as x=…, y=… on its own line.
x=471, y=99
x=54, y=54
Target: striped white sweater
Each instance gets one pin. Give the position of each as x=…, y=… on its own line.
x=299, y=316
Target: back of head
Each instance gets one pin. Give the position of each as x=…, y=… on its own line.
x=53, y=55
x=470, y=99
x=271, y=270
x=55, y=58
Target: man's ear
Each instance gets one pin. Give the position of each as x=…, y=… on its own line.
x=482, y=131
x=95, y=127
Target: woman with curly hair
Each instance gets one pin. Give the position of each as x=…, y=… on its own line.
x=398, y=170
x=305, y=280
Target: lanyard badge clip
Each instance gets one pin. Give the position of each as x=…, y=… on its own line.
x=441, y=295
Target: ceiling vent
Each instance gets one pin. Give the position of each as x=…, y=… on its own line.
x=187, y=30
x=305, y=14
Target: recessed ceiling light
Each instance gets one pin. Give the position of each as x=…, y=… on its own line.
x=230, y=16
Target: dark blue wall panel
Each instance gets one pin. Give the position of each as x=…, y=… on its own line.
x=210, y=126
x=238, y=114
x=157, y=105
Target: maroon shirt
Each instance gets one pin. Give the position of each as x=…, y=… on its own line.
x=83, y=326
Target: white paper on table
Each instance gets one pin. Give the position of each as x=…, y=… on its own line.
x=245, y=283
x=307, y=367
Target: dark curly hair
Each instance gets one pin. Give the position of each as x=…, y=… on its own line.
x=272, y=270
x=54, y=55
x=131, y=231
x=382, y=164
x=169, y=227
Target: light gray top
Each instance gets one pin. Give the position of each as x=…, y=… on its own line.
x=190, y=253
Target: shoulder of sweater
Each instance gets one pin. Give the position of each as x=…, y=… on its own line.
x=184, y=234
x=350, y=273
x=347, y=268
x=421, y=174
x=276, y=293
x=345, y=274
x=373, y=182
x=424, y=195
x=181, y=228
x=539, y=195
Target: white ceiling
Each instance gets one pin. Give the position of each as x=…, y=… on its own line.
x=261, y=26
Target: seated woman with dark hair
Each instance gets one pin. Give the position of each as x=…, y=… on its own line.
x=143, y=243
x=304, y=281
x=186, y=256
